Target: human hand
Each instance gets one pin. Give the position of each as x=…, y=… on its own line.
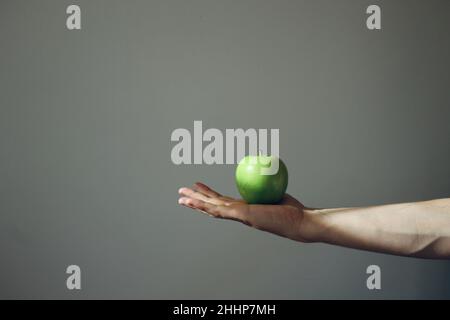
x=418, y=229
x=289, y=218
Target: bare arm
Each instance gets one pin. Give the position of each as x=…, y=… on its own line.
x=420, y=229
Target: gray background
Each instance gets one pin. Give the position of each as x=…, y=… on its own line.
x=86, y=118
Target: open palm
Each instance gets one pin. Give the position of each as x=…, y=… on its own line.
x=287, y=219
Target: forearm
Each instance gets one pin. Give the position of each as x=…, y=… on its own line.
x=420, y=229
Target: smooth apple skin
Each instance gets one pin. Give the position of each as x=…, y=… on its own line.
x=256, y=188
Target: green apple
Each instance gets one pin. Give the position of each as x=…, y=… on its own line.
x=256, y=187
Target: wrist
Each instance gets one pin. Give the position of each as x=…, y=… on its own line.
x=313, y=226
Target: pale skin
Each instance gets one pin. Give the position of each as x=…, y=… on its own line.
x=416, y=229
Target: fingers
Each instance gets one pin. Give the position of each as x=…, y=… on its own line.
x=203, y=188
x=184, y=201
x=284, y=219
x=192, y=194
x=278, y=219
x=187, y=192
x=217, y=211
